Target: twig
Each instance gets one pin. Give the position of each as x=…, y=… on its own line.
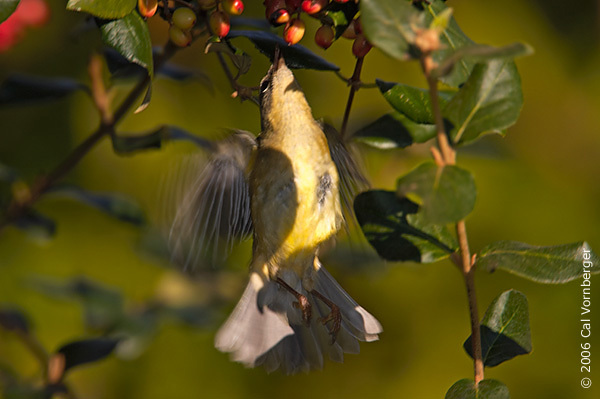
x=447, y=156
x=354, y=83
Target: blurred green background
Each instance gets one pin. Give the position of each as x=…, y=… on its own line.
x=538, y=185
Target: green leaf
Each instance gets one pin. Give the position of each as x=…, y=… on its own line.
x=24, y=89
x=452, y=39
x=87, y=351
x=130, y=37
x=339, y=15
x=551, y=265
x=447, y=193
x=490, y=101
x=486, y=389
x=394, y=130
x=116, y=205
x=390, y=26
x=411, y=101
x=504, y=329
x=7, y=7
x=107, y=9
x=296, y=56
x=480, y=53
x=393, y=227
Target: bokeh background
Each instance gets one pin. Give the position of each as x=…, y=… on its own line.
x=539, y=185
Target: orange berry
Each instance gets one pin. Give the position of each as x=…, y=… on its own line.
x=313, y=6
x=219, y=23
x=147, y=8
x=294, y=31
x=233, y=7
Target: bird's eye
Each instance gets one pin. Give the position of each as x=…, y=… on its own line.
x=264, y=85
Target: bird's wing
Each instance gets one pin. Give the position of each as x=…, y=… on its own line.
x=210, y=202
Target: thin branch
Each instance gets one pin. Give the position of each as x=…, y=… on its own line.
x=354, y=82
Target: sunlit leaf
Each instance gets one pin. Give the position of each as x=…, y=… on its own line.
x=552, y=264
x=23, y=89
x=296, y=56
x=131, y=38
x=504, y=329
x=447, y=194
x=107, y=9
x=390, y=25
x=490, y=101
x=394, y=130
x=393, y=227
x=486, y=389
x=7, y=7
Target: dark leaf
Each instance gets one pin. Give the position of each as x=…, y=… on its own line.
x=486, y=389
x=390, y=25
x=395, y=130
x=447, y=194
x=14, y=320
x=452, y=39
x=504, y=329
x=7, y=7
x=37, y=225
x=258, y=23
x=20, y=89
x=393, y=227
x=130, y=37
x=490, y=101
x=128, y=144
x=113, y=204
x=339, y=15
x=107, y=9
x=410, y=101
x=87, y=351
x=296, y=56
x=145, y=101
x=551, y=265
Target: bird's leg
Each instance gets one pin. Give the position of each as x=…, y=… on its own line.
x=302, y=303
x=334, y=316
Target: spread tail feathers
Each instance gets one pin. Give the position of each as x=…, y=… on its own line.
x=266, y=329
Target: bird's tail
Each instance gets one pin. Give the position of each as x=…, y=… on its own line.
x=267, y=329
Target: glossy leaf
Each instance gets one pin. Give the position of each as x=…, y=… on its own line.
x=413, y=102
x=23, y=89
x=394, y=130
x=452, y=39
x=131, y=38
x=87, y=351
x=551, y=265
x=14, y=320
x=504, y=329
x=116, y=205
x=481, y=53
x=296, y=56
x=486, y=389
x=107, y=9
x=7, y=7
x=447, y=194
x=393, y=227
x=490, y=101
x=390, y=26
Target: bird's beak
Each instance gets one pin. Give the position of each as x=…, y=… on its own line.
x=278, y=59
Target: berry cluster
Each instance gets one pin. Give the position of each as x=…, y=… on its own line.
x=184, y=19
x=287, y=12
x=29, y=13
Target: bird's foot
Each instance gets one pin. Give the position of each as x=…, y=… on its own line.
x=335, y=316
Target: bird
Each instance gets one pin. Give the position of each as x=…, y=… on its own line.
x=289, y=195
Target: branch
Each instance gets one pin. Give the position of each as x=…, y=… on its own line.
x=354, y=83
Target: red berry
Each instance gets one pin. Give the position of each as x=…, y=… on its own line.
x=147, y=8
x=181, y=38
x=350, y=32
x=361, y=46
x=294, y=31
x=341, y=1
x=324, y=36
x=33, y=12
x=219, y=23
x=313, y=6
x=11, y=32
x=233, y=7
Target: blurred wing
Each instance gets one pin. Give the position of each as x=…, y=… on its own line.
x=352, y=178
x=211, y=202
